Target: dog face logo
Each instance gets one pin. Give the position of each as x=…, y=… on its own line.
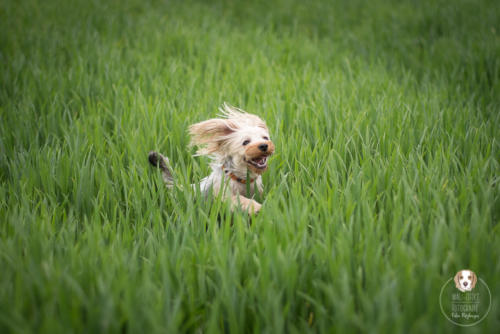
x=465, y=280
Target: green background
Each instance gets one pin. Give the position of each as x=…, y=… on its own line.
x=385, y=181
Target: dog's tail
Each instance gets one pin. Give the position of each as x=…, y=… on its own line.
x=158, y=160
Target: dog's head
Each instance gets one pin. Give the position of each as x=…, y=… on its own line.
x=465, y=280
x=241, y=137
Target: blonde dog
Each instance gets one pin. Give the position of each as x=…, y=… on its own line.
x=239, y=145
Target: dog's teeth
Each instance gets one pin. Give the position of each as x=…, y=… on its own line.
x=259, y=162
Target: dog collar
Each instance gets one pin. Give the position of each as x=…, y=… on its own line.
x=235, y=178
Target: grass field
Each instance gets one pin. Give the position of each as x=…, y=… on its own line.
x=385, y=116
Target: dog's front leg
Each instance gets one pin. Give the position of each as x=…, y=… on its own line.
x=246, y=204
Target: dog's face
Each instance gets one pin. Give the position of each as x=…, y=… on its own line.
x=241, y=137
x=250, y=147
x=465, y=280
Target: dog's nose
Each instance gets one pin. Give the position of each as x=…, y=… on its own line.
x=465, y=283
x=263, y=147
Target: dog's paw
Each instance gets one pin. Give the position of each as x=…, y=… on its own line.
x=255, y=208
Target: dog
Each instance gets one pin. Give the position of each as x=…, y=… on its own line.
x=465, y=280
x=239, y=145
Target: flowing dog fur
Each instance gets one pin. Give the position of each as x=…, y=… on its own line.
x=239, y=145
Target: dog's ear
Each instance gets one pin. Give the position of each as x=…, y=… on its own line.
x=474, y=279
x=457, y=280
x=211, y=134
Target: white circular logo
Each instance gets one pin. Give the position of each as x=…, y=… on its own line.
x=465, y=299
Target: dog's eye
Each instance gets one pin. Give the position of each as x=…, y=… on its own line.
x=469, y=277
x=265, y=138
x=246, y=142
x=461, y=277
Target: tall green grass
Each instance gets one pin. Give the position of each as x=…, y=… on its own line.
x=385, y=116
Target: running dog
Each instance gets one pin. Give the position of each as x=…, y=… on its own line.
x=239, y=145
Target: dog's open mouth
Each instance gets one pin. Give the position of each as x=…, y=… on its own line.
x=259, y=162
